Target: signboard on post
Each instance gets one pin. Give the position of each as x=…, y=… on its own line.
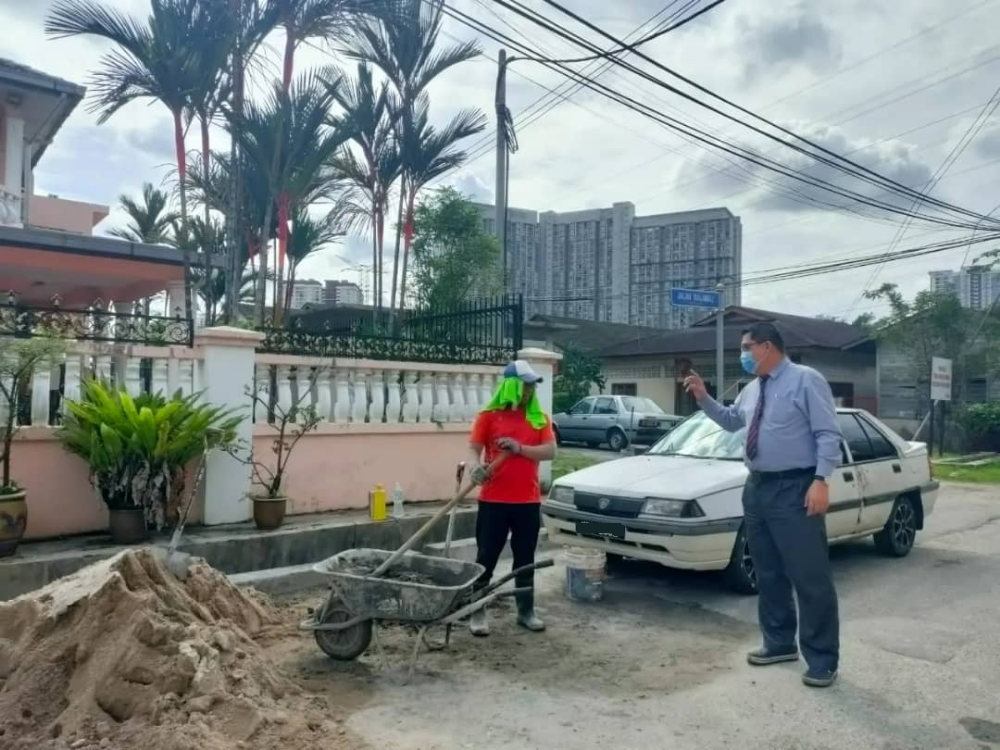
x=695, y=298
x=940, y=379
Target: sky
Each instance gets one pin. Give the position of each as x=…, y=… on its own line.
x=895, y=85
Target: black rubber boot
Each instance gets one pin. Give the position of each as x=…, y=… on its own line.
x=526, y=616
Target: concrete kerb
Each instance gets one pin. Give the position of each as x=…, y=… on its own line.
x=239, y=550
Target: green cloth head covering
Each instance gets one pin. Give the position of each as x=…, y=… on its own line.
x=508, y=395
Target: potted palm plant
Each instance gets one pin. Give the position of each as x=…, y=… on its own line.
x=18, y=360
x=139, y=449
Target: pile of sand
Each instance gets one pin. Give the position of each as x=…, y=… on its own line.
x=124, y=654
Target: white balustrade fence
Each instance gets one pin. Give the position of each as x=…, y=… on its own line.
x=138, y=369
x=356, y=392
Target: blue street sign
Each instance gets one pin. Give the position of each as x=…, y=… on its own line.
x=694, y=298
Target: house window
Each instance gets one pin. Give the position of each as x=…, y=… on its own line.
x=624, y=389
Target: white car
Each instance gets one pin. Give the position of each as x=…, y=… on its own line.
x=680, y=504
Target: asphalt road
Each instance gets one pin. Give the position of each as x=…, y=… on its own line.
x=660, y=663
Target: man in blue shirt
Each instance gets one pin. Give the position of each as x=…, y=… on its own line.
x=791, y=447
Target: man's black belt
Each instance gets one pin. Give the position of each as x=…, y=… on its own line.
x=767, y=476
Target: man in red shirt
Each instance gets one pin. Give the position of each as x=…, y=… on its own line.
x=509, y=498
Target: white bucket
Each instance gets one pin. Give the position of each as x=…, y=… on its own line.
x=585, y=573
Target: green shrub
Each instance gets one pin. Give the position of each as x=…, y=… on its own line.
x=138, y=449
x=981, y=419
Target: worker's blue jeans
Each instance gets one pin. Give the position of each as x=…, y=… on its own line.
x=790, y=551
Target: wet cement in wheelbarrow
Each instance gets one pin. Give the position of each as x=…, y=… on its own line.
x=396, y=574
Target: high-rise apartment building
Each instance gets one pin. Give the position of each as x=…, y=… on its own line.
x=306, y=292
x=610, y=265
x=343, y=293
x=977, y=287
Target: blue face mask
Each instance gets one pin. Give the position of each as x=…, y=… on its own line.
x=749, y=363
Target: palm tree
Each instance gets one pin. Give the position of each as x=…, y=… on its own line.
x=367, y=114
x=149, y=221
x=152, y=61
x=217, y=33
x=309, y=235
x=313, y=19
x=287, y=140
x=431, y=153
x=404, y=47
x=253, y=20
x=320, y=19
x=199, y=236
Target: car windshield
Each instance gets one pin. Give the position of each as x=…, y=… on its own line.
x=700, y=437
x=641, y=405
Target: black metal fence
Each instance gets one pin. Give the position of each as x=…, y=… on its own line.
x=92, y=323
x=482, y=331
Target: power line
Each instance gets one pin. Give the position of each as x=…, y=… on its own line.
x=963, y=143
x=714, y=142
x=628, y=47
x=544, y=104
x=821, y=153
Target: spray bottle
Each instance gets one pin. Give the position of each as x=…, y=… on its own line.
x=398, y=498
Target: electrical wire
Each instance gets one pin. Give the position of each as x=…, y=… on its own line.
x=713, y=141
x=545, y=104
x=963, y=143
x=821, y=153
x=628, y=47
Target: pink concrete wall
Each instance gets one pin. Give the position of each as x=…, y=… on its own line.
x=64, y=215
x=61, y=501
x=334, y=470
x=60, y=498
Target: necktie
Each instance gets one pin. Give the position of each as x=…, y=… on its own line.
x=754, y=432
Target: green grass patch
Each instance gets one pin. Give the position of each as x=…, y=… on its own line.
x=568, y=463
x=986, y=474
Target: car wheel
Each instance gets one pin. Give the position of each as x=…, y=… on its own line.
x=740, y=575
x=900, y=532
x=555, y=430
x=617, y=440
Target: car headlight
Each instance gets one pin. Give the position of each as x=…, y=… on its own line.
x=672, y=508
x=562, y=494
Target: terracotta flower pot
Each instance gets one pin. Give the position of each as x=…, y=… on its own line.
x=269, y=512
x=128, y=526
x=13, y=521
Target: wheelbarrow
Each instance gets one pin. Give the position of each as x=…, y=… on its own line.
x=369, y=586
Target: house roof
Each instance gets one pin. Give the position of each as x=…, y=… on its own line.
x=798, y=331
x=585, y=334
x=50, y=117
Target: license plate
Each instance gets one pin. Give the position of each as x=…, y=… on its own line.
x=648, y=423
x=615, y=531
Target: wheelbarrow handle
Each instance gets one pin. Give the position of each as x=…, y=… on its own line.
x=538, y=565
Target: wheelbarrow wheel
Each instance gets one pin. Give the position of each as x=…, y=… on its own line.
x=343, y=645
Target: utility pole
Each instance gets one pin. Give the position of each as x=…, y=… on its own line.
x=501, y=189
x=720, y=346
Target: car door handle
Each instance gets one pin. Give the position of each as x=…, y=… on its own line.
x=897, y=469
x=848, y=476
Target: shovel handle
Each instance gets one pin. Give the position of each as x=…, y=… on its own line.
x=431, y=522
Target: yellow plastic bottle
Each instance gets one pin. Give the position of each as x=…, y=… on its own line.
x=377, y=503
